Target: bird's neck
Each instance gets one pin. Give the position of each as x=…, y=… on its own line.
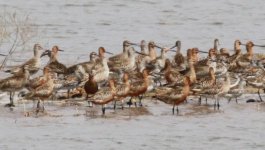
x=152, y=53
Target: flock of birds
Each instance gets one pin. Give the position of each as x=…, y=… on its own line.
x=130, y=76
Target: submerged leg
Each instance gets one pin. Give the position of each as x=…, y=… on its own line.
x=200, y=100
x=11, y=98
x=130, y=102
x=229, y=100
x=38, y=107
x=140, y=100
x=177, y=110
x=218, y=105
x=114, y=107
x=103, y=109
x=215, y=101
x=173, y=109
x=260, y=96
x=68, y=94
x=43, y=106
x=122, y=103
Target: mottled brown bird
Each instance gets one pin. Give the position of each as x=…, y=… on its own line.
x=15, y=83
x=175, y=97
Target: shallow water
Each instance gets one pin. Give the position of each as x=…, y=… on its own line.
x=234, y=126
x=80, y=27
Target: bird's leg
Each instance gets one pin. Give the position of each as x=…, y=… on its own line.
x=229, y=100
x=103, y=109
x=90, y=104
x=12, y=99
x=215, y=103
x=114, y=107
x=140, y=100
x=68, y=94
x=33, y=104
x=135, y=104
x=11, y=104
x=130, y=102
x=43, y=106
x=122, y=104
x=200, y=100
x=177, y=110
x=38, y=107
x=218, y=105
x=260, y=96
x=236, y=100
x=206, y=100
x=173, y=109
x=160, y=84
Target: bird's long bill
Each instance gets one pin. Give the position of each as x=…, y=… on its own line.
x=2, y=55
x=141, y=53
x=108, y=52
x=61, y=50
x=159, y=47
x=173, y=47
x=203, y=52
x=259, y=45
x=135, y=44
x=47, y=52
x=254, y=45
x=172, y=50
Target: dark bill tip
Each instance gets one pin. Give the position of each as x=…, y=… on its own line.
x=202, y=52
x=141, y=53
x=135, y=44
x=172, y=50
x=2, y=55
x=47, y=52
x=159, y=47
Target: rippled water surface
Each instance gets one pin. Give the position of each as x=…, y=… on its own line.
x=81, y=26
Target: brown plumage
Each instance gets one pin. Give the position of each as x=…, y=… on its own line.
x=123, y=89
x=15, y=83
x=104, y=95
x=91, y=86
x=249, y=55
x=215, y=46
x=38, y=81
x=206, y=82
x=175, y=97
x=179, y=59
x=54, y=64
x=140, y=86
x=124, y=54
x=86, y=65
x=140, y=58
x=218, y=89
x=205, y=62
x=152, y=51
x=42, y=92
x=33, y=64
x=171, y=75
